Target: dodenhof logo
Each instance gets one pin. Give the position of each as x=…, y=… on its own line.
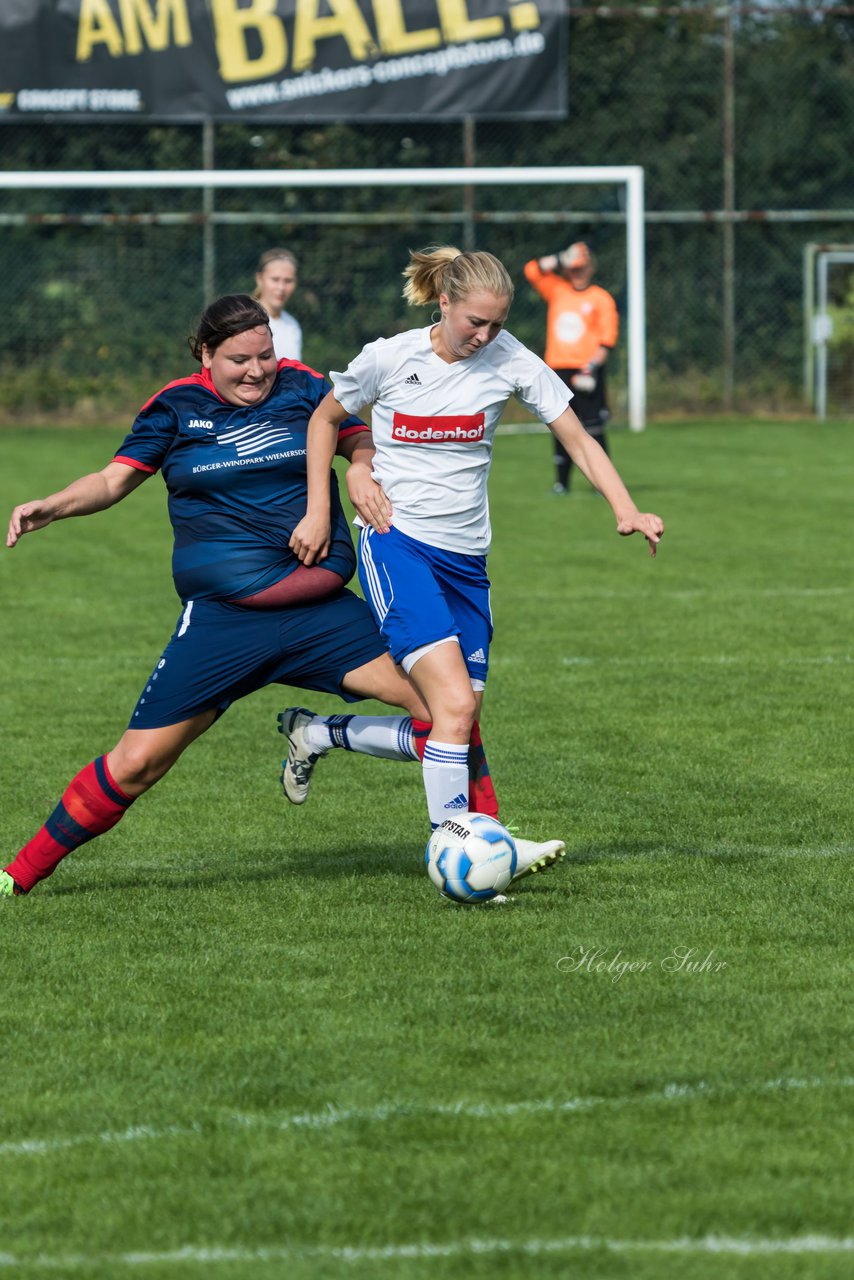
x=411, y=428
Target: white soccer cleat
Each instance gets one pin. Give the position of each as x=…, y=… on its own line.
x=532, y=857
x=298, y=766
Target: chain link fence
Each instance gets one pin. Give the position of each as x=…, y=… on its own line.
x=742, y=118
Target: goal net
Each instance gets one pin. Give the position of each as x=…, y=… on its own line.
x=97, y=294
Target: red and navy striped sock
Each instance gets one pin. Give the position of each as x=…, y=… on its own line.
x=420, y=734
x=91, y=804
x=482, y=797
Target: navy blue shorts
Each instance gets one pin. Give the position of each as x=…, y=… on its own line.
x=221, y=652
x=420, y=594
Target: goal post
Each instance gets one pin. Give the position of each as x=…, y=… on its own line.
x=628, y=177
x=818, y=324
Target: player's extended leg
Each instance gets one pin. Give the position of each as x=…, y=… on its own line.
x=428, y=602
x=383, y=681
x=396, y=738
x=443, y=678
x=445, y=751
x=99, y=796
x=310, y=737
x=440, y=674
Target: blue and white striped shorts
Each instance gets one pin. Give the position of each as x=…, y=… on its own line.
x=420, y=594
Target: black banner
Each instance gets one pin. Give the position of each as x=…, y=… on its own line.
x=289, y=60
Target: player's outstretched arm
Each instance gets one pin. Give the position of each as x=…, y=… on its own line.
x=593, y=461
x=95, y=492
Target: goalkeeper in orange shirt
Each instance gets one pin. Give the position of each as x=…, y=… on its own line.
x=581, y=328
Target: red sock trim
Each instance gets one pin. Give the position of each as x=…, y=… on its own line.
x=91, y=804
x=420, y=733
x=482, y=797
x=102, y=770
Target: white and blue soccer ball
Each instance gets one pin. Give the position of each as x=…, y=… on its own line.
x=471, y=857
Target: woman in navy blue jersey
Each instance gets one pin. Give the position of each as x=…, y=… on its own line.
x=230, y=442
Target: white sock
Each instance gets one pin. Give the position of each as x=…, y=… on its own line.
x=446, y=779
x=388, y=737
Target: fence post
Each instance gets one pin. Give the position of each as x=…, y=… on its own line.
x=209, y=231
x=469, y=150
x=729, y=210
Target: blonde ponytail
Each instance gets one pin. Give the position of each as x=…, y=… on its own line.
x=446, y=269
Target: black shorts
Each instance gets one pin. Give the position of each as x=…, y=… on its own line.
x=590, y=407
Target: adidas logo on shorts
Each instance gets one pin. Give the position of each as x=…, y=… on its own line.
x=412, y=381
x=477, y=656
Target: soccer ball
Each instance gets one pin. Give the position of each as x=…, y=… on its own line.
x=471, y=858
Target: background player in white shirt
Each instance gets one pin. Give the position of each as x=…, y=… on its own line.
x=437, y=394
x=275, y=281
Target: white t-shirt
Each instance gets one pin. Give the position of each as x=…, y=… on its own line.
x=287, y=336
x=434, y=424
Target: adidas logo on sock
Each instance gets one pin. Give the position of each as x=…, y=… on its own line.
x=412, y=381
x=458, y=802
x=477, y=656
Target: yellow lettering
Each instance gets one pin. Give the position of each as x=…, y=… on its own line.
x=170, y=15
x=231, y=25
x=524, y=17
x=458, y=26
x=346, y=20
x=97, y=26
x=393, y=35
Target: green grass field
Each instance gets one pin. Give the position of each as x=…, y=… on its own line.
x=245, y=1040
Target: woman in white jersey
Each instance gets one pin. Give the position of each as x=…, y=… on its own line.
x=275, y=281
x=437, y=395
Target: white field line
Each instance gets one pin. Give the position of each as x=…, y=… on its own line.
x=743, y=1246
x=136, y=1133
x=331, y=1117
x=521, y=429
x=705, y=593
x=741, y=851
x=705, y=659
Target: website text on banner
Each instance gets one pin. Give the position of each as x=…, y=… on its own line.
x=226, y=59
